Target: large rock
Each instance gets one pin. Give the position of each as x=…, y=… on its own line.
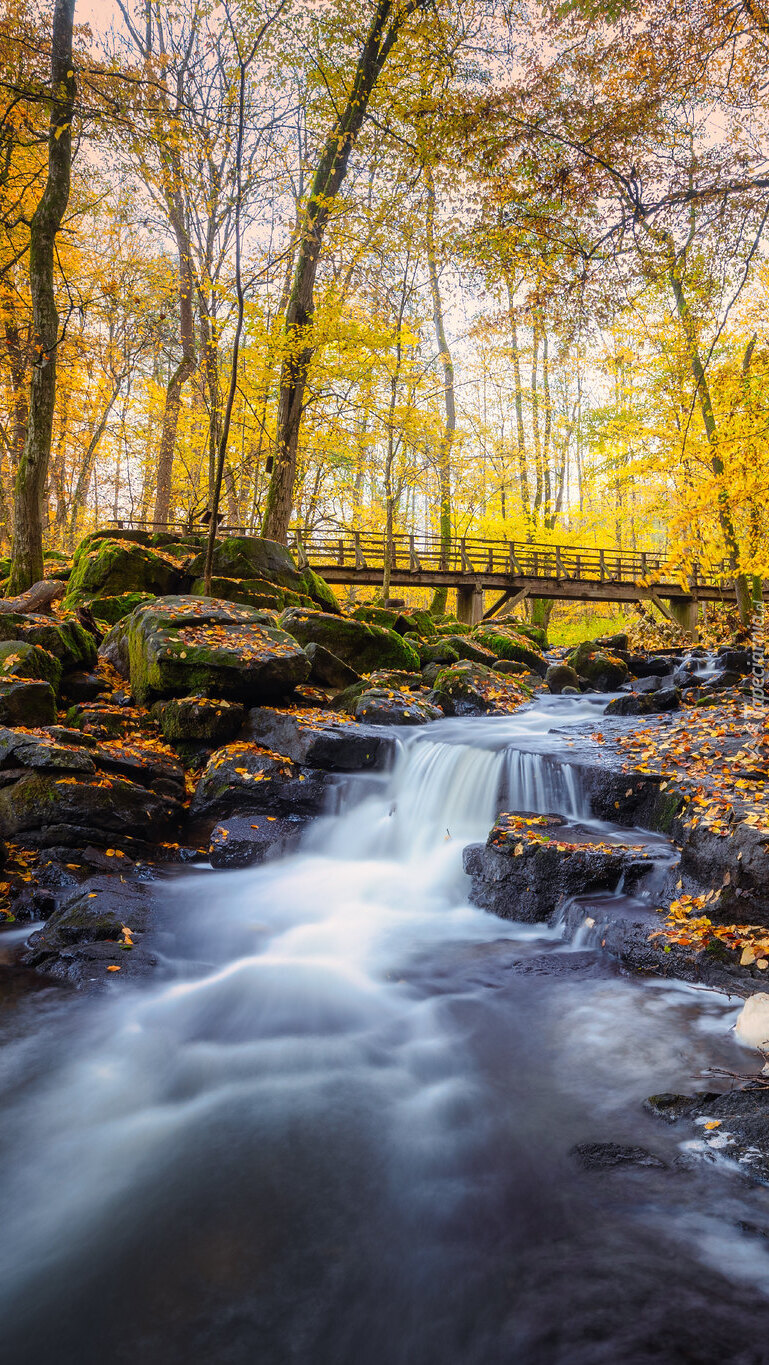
x=328, y=670
x=178, y=646
x=64, y=789
x=361, y=646
x=26, y=701
x=205, y=720
x=66, y=640
x=21, y=660
x=319, y=739
x=96, y=934
x=252, y=592
x=645, y=703
x=504, y=643
x=245, y=841
x=244, y=777
x=606, y=672
x=381, y=706
x=108, y=568
x=559, y=676
x=468, y=689
x=251, y=558
x=531, y=864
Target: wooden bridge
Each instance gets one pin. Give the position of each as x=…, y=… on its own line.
x=509, y=569
x=512, y=570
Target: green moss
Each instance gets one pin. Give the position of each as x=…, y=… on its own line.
x=21, y=660
x=361, y=646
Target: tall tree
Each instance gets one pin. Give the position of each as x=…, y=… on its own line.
x=27, y=558
x=386, y=25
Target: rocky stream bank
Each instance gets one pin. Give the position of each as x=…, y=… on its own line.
x=148, y=730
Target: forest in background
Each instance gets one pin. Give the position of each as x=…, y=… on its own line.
x=486, y=268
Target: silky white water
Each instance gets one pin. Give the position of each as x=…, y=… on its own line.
x=333, y=1132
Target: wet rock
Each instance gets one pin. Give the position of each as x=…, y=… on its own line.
x=733, y=1125
x=247, y=840
x=26, y=702
x=326, y=740
x=67, y=794
x=725, y=679
x=647, y=704
x=618, y=641
x=467, y=689
x=735, y=660
x=104, y=720
x=181, y=646
x=655, y=665
x=531, y=864
x=244, y=776
x=605, y=672
x=98, y=926
x=559, y=676
x=328, y=670
x=504, y=643
x=361, y=646
x=205, y=720
x=378, y=706
x=673, y=1108
x=732, y=864
x=604, y=1156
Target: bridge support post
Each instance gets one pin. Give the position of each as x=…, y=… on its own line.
x=684, y=611
x=469, y=604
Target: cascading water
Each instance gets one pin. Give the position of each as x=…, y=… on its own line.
x=342, y=1131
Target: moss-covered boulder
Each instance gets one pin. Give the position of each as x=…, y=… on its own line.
x=469, y=689
x=252, y=592
x=559, y=676
x=409, y=621
x=18, y=659
x=329, y=671
x=28, y=702
x=250, y=558
x=466, y=647
x=437, y=652
x=244, y=776
x=504, y=643
x=108, y=568
x=180, y=646
x=599, y=669
x=383, y=706
x=110, y=610
x=63, y=793
x=360, y=646
x=207, y=720
x=66, y=640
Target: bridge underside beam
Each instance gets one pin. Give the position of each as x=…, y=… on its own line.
x=569, y=590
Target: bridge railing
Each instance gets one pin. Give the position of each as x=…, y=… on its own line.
x=470, y=555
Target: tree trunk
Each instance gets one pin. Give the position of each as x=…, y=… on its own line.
x=440, y=595
x=299, y=343
x=725, y=520
x=27, y=563
x=182, y=372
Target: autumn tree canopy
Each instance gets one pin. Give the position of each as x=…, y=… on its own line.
x=493, y=268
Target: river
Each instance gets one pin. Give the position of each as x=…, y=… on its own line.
x=340, y=1134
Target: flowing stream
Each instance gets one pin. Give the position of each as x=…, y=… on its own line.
x=341, y=1132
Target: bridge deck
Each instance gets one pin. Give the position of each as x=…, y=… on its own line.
x=512, y=568
x=560, y=571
